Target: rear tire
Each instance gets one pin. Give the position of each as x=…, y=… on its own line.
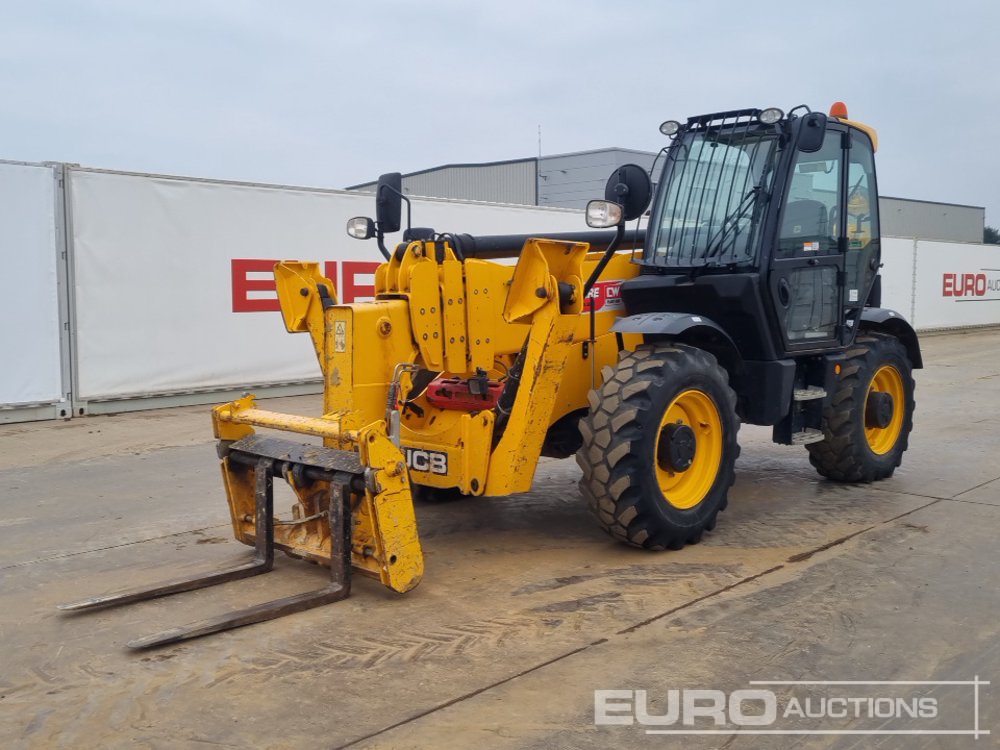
x=659, y=446
x=853, y=451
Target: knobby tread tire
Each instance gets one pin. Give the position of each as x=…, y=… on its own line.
x=619, y=437
x=844, y=455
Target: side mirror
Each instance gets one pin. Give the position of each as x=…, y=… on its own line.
x=812, y=131
x=389, y=202
x=629, y=186
x=625, y=198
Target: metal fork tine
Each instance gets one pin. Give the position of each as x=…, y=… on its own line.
x=259, y=613
x=338, y=588
x=165, y=588
x=263, y=557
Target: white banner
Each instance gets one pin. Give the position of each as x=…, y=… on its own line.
x=173, y=289
x=30, y=365
x=172, y=276
x=957, y=284
x=897, y=275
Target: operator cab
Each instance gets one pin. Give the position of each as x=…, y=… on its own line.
x=769, y=222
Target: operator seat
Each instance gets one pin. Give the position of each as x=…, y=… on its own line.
x=804, y=219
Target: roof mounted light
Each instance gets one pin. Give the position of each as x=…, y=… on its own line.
x=670, y=128
x=770, y=116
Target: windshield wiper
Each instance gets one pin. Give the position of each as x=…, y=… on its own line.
x=731, y=222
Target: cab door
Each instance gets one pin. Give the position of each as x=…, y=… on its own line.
x=806, y=276
x=863, y=248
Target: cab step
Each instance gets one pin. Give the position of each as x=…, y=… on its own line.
x=808, y=393
x=807, y=436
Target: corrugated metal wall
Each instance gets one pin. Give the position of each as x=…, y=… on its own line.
x=499, y=182
x=902, y=217
x=570, y=180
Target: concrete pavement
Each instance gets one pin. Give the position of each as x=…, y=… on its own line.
x=526, y=607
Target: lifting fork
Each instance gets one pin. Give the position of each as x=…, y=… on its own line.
x=339, y=587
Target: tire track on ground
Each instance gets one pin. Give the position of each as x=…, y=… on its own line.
x=801, y=559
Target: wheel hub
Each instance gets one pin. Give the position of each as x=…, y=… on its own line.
x=878, y=410
x=678, y=446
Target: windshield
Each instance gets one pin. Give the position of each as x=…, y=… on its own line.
x=709, y=207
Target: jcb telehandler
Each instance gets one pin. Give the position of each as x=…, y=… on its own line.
x=752, y=296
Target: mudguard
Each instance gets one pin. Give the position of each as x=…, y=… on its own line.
x=669, y=324
x=891, y=322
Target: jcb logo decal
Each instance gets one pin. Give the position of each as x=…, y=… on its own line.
x=434, y=462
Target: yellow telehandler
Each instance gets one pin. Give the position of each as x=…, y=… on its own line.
x=753, y=295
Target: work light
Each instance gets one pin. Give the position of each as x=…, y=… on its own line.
x=603, y=214
x=670, y=127
x=361, y=227
x=770, y=115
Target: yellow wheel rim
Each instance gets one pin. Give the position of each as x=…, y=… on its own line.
x=887, y=380
x=685, y=489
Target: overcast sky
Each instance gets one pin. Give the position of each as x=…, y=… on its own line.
x=334, y=93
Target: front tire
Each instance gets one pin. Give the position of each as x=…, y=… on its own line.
x=865, y=434
x=659, y=447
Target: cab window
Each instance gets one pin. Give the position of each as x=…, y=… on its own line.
x=862, y=220
x=811, y=216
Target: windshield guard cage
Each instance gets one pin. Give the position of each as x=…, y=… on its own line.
x=710, y=201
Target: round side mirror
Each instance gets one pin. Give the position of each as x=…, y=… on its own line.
x=629, y=186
